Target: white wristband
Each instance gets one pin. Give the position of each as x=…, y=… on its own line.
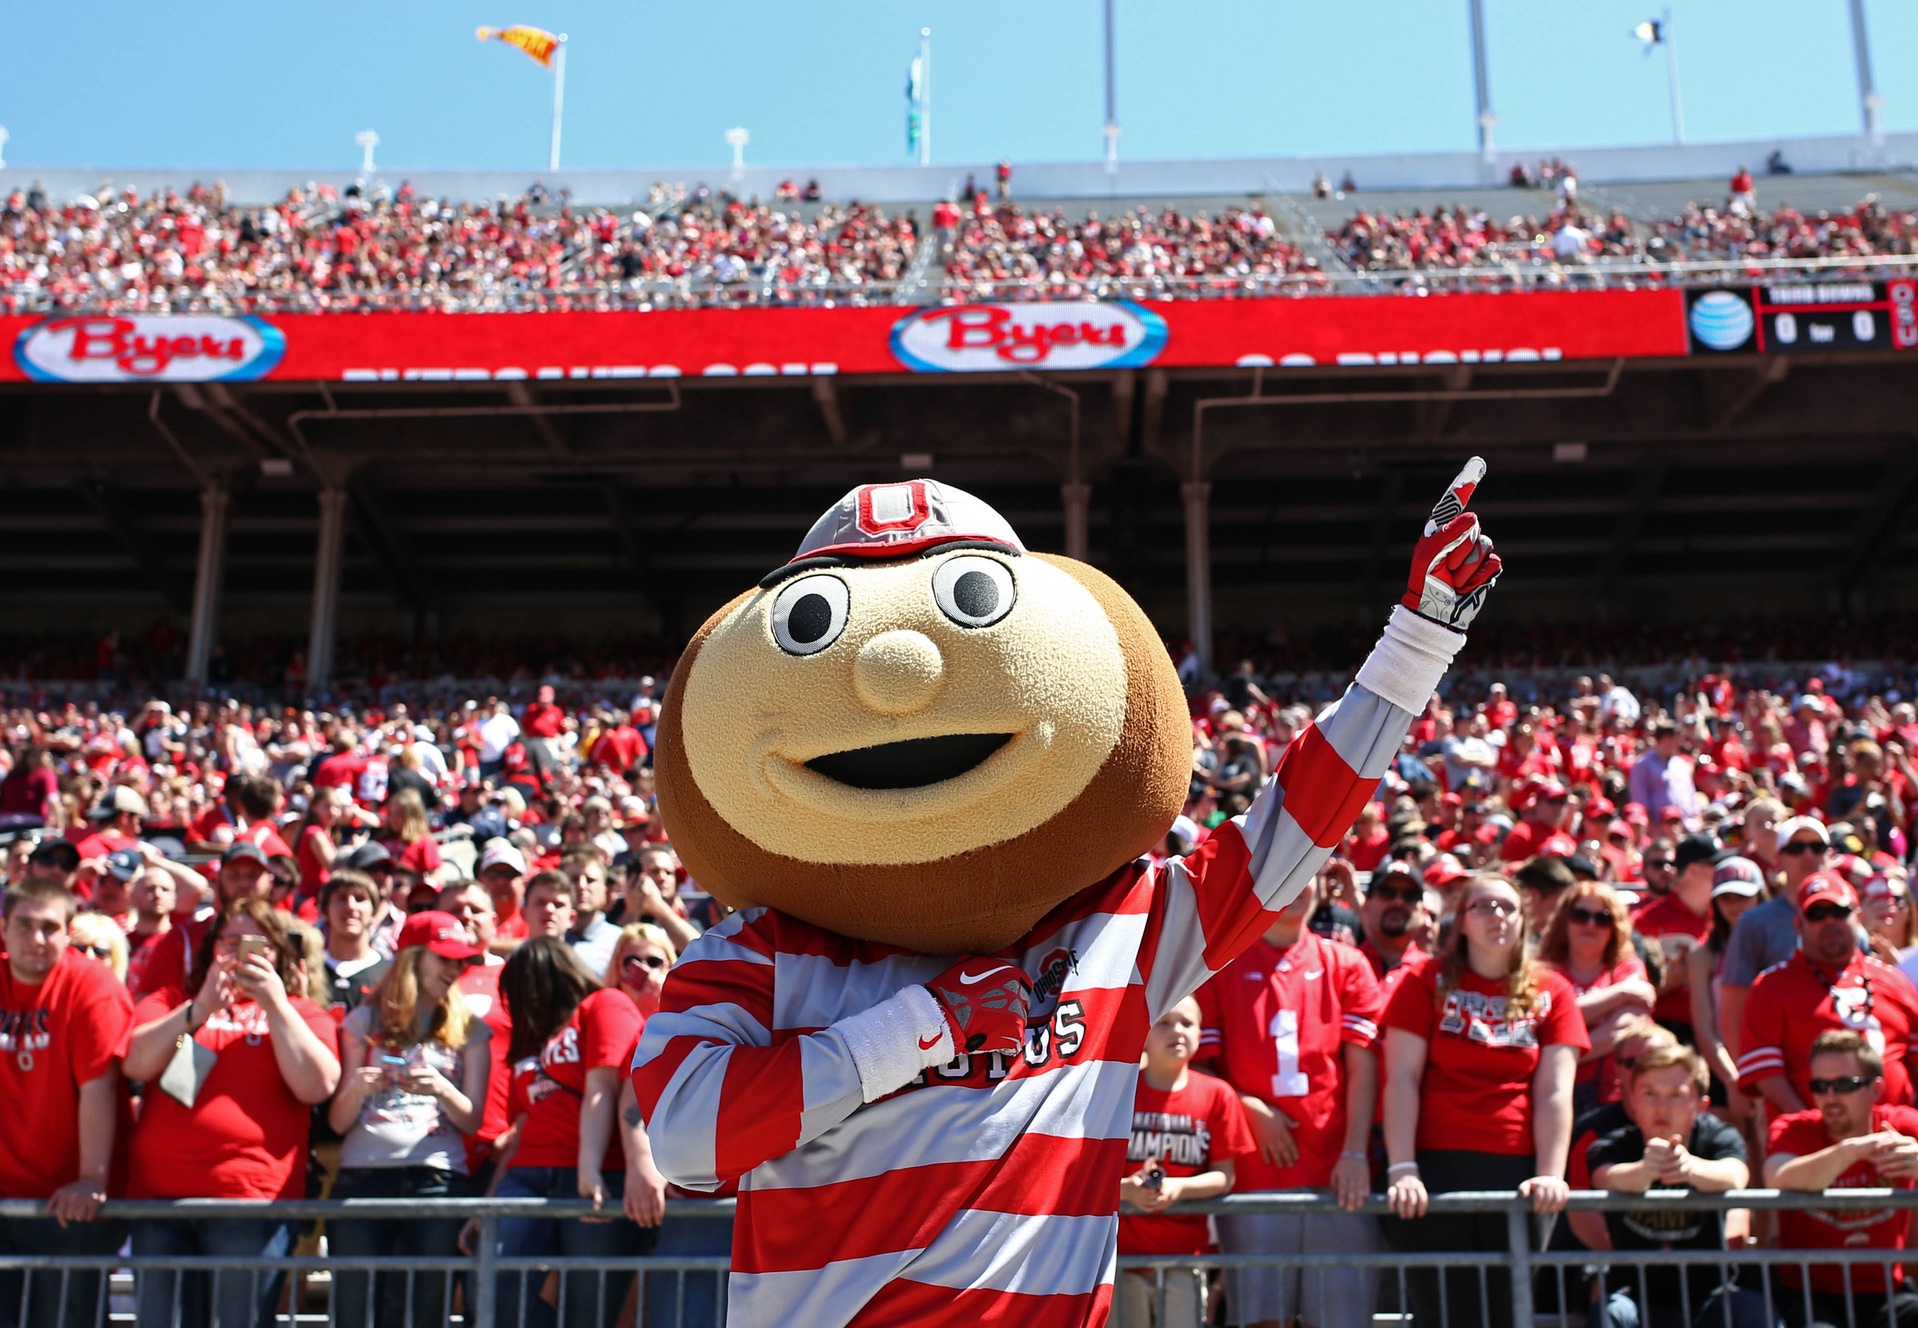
x=896, y=1039
x=1410, y=658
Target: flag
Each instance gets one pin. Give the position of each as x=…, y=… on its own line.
x=536, y=42
x=1651, y=32
x=915, y=85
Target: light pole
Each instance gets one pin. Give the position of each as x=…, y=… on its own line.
x=1112, y=99
x=559, y=99
x=1658, y=32
x=3, y=146
x=925, y=96
x=736, y=139
x=368, y=139
x=1868, y=99
x=1481, y=83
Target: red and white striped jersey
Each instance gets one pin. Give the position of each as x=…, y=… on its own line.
x=986, y=1190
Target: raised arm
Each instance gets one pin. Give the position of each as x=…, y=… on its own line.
x=1218, y=900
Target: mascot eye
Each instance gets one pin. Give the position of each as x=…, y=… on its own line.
x=809, y=614
x=973, y=592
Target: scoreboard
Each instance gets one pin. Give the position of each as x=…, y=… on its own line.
x=1797, y=317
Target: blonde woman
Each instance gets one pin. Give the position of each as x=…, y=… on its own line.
x=642, y=956
x=95, y=935
x=1589, y=942
x=413, y=1073
x=1482, y=1043
x=407, y=837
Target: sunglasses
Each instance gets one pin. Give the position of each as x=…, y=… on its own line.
x=1798, y=846
x=1850, y=1083
x=1658, y=864
x=653, y=962
x=1493, y=908
x=1827, y=912
x=1591, y=917
x=1400, y=894
x=97, y=951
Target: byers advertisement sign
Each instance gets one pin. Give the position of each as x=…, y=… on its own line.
x=970, y=338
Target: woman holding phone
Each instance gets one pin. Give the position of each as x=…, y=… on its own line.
x=414, y=1062
x=233, y=1066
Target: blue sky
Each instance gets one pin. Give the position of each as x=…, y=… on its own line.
x=221, y=84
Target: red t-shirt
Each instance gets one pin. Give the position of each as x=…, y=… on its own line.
x=420, y=857
x=340, y=770
x=140, y=949
x=547, y=1088
x=1670, y=922
x=1524, y=840
x=1477, y=1088
x=1190, y=1130
x=100, y=844
x=1793, y=1002
x=1803, y=1133
x=246, y=1135
x=1279, y=1023
x=54, y=1036
x=479, y=985
x=619, y=748
x=27, y=792
x=542, y=721
x=214, y=826
x=1603, y=1069
x=313, y=873
x=1367, y=854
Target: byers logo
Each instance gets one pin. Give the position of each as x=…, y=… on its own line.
x=148, y=348
x=981, y=338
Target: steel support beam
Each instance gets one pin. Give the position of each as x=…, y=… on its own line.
x=1198, y=568
x=323, y=633
x=209, y=581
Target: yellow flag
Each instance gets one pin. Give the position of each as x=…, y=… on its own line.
x=536, y=42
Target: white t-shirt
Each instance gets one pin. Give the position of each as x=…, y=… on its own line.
x=400, y=1129
x=496, y=735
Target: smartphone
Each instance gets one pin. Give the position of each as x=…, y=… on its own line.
x=252, y=945
x=1155, y=1178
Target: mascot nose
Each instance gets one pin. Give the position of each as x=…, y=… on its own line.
x=897, y=673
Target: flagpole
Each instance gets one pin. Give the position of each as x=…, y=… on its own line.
x=559, y=99
x=1671, y=75
x=925, y=96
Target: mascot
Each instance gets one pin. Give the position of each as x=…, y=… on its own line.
x=925, y=765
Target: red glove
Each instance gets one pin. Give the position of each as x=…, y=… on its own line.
x=1453, y=565
x=985, y=1003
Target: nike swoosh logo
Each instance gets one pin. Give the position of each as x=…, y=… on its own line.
x=927, y=1044
x=1316, y=973
x=967, y=980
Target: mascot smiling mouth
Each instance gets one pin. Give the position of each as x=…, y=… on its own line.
x=914, y=763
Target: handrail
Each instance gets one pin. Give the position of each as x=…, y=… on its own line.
x=1282, y=1201
x=1510, y=274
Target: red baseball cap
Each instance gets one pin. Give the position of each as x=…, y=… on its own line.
x=1826, y=888
x=1558, y=846
x=442, y=933
x=1443, y=870
x=1635, y=813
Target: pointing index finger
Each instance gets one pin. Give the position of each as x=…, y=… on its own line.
x=1458, y=494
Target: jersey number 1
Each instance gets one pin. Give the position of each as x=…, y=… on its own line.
x=1290, y=1080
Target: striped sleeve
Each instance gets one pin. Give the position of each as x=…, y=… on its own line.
x=1361, y=1003
x=719, y=1092
x=1762, y=1033
x=1215, y=902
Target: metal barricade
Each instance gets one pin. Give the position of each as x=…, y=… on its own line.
x=1500, y=1283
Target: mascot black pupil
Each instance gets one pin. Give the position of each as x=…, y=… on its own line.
x=809, y=619
x=975, y=594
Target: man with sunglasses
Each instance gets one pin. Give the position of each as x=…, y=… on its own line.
x=1768, y=935
x=1390, y=916
x=1829, y=985
x=1678, y=922
x=1850, y=1139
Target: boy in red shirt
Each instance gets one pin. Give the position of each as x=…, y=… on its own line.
x=1188, y=1131
x=1851, y=1139
x=64, y=1023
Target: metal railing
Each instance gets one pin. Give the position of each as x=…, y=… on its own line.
x=1504, y=1281
x=1500, y=273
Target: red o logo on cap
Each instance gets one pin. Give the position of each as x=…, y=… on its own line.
x=886, y=508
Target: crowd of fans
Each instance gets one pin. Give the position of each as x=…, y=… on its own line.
x=323, y=249
x=1583, y=939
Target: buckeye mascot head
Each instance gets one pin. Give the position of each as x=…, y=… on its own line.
x=918, y=732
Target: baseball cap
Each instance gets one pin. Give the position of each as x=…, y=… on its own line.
x=115, y=800
x=442, y=933
x=1635, y=814
x=1443, y=870
x=1803, y=824
x=60, y=854
x=906, y=517
x=367, y=857
x=243, y=850
x=1694, y=848
x=1558, y=846
x=124, y=863
x=1828, y=888
x=1880, y=885
x=1394, y=867
x=1737, y=876
x=500, y=853
x=1548, y=790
